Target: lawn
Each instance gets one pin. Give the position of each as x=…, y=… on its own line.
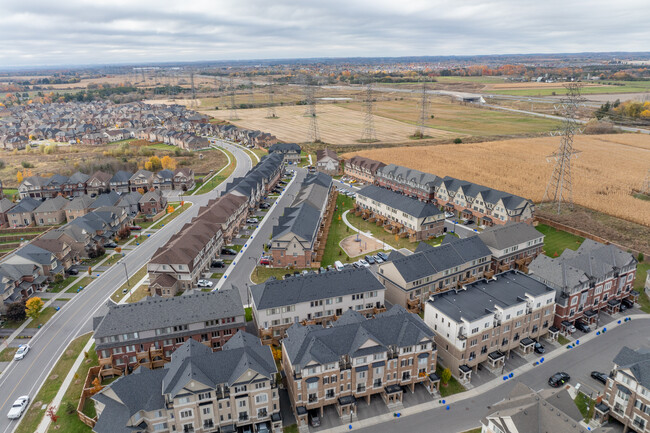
x=621, y=87
x=248, y=313
x=556, y=241
x=68, y=421
x=42, y=319
x=93, y=262
x=585, y=406
x=474, y=430
x=217, y=179
x=338, y=231
x=261, y=273
x=133, y=280
x=51, y=386
x=7, y=354
x=293, y=428
x=57, y=287
x=453, y=387
x=563, y=340
x=83, y=283
x=177, y=211
x=642, y=270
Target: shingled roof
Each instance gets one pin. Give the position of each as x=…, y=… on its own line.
x=400, y=202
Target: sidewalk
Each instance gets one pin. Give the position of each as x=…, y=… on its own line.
x=388, y=417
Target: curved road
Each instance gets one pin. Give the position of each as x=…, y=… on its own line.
x=75, y=317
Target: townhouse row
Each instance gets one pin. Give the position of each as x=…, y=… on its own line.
x=179, y=264
x=78, y=184
x=487, y=206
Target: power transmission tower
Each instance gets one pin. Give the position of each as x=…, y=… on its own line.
x=192, y=83
x=368, y=134
x=560, y=187
x=314, y=133
x=251, y=97
x=271, y=111
x=420, y=131
x=233, y=107
x=308, y=93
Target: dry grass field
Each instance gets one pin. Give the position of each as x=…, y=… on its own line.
x=604, y=174
x=337, y=125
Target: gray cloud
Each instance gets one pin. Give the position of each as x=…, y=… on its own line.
x=37, y=32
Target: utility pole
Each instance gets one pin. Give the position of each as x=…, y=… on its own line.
x=368, y=134
x=251, y=96
x=192, y=84
x=128, y=284
x=560, y=187
x=314, y=133
x=646, y=184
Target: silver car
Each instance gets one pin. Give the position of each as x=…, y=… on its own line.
x=21, y=352
x=18, y=407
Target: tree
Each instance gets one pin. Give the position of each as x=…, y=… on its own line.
x=97, y=386
x=153, y=164
x=141, y=190
x=90, y=270
x=16, y=311
x=170, y=209
x=168, y=162
x=19, y=176
x=445, y=376
x=33, y=307
x=51, y=413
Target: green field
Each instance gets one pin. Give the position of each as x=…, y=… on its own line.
x=46, y=314
x=261, y=273
x=621, y=87
x=642, y=270
x=133, y=280
x=556, y=241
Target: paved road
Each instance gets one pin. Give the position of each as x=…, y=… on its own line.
x=239, y=277
x=75, y=318
x=579, y=362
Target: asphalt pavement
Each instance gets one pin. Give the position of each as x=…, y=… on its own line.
x=75, y=317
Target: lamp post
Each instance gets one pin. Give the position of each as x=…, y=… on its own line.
x=257, y=272
x=128, y=284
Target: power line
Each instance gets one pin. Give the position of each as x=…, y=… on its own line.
x=368, y=134
x=421, y=129
x=560, y=186
x=251, y=97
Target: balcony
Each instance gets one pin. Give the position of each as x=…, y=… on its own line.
x=361, y=388
x=243, y=416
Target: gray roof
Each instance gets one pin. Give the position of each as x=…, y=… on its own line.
x=275, y=293
x=451, y=253
x=78, y=177
x=154, y=313
x=79, y=203
x=395, y=327
x=107, y=199
x=510, y=234
x=52, y=204
x=121, y=176
x=303, y=221
x=527, y=411
x=5, y=204
x=407, y=175
x=590, y=262
x=638, y=361
x=27, y=204
x=480, y=298
x=146, y=389
x=284, y=147
x=400, y=202
x=490, y=195
x=35, y=254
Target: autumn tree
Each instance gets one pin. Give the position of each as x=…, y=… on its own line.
x=19, y=176
x=141, y=190
x=445, y=376
x=33, y=307
x=153, y=164
x=170, y=209
x=168, y=162
x=97, y=386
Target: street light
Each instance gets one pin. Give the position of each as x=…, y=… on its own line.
x=257, y=271
x=126, y=272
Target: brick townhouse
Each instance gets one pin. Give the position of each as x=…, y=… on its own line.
x=314, y=299
x=482, y=322
x=363, y=169
x=356, y=358
x=513, y=246
x=147, y=332
x=592, y=279
x=198, y=391
x=408, y=181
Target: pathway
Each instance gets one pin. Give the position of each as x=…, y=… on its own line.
x=368, y=234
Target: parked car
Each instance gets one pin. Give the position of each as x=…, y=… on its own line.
x=469, y=222
x=356, y=265
x=228, y=252
x=338, y=265
x=264, y=205
x=383, y=256
x=251, y=221
x=539, y=347
x=217, y=264
x=627, y=303
x=21, y=352
x=571, y=329
x=262, y=428
x=378, y=259
x=314, y=419
x=559, y=379
x=449, y=215
x=247, y=429
x=364, y=263
x=73, y=272
x=18, y=407
x=110, y=244
x=204, y=283
x=600, y=377
x=265, y=261
x=286, y=276
x=582, y=326
x=370, y=260
x=135, y=228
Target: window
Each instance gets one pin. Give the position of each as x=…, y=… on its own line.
x=205, y=396
x=206, y=410
x=261, y=398
x=187, y=413
x=183, y=400
x=241, y=403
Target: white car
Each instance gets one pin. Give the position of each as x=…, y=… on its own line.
x=364, y=263
x=449, y=215
x=204, y=283
x=18, y=407
x=21, y=352
x=251, y=221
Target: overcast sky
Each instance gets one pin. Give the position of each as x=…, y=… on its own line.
x=52, y=32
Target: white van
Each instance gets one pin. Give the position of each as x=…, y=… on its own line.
x=338, y=265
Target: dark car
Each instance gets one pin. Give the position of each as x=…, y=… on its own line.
x=383, y=256
x=264, y=205
x=73, y=272
x=627, y=303
x=469, y=222
x=600, y=377
x=558, y=379
x=217, y=264
x=314, y=419
x=370, y=260
x=110, y=245
x=582, y=326
x=539, y=348
x=228, y=251
x=287, y=276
